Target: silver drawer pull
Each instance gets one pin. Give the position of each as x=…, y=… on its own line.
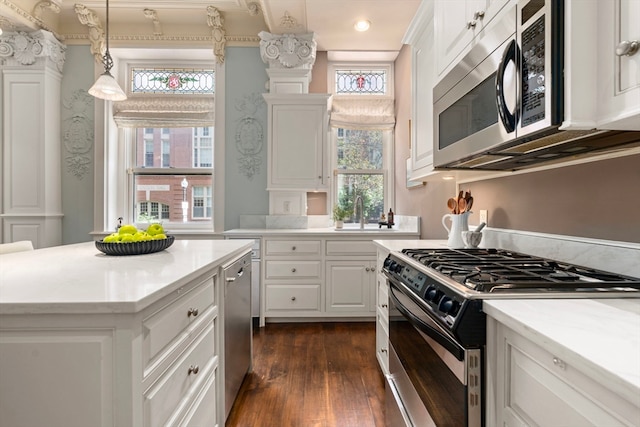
x=384, y=306
x=293, y=270
x=192, y=312
x=559, y=363
x=193, y=369
x=293, y=298
x=293, y=248
x=627, y=48
x=383, y=350
x=471, y=24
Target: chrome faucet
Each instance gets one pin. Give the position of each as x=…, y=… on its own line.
x=356, y=203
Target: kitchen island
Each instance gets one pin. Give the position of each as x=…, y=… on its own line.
x=91, y=339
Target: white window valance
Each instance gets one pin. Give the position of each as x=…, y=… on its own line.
x=165, y=112
x=363, y=113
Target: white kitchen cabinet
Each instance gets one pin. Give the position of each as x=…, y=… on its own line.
x=293, y=277
x=457, y=24
x=540, y=385
x=420, y=38
x=382, y=313
x=349, y=285
x=152, y=368
x=619, y=73
x=297, y=141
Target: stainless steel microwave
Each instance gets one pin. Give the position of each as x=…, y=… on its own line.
x=501, y=106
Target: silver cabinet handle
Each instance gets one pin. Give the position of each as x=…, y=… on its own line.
x=627, y=48
x=471, y=24
x=367, y=269
x=231, y=279
x=479, y=14
x=293, y=270
x=192, y=312
x=193, y=369
x=293, y=298
x=384, y=305
x=293, y=248
x=383, y=350
x=559, y=363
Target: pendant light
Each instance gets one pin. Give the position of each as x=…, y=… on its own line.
x=106, y=87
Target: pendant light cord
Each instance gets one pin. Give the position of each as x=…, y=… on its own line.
x=107, y=61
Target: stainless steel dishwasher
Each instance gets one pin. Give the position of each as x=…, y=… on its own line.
x=238, y=329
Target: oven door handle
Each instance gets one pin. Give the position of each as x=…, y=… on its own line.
x=441, y=338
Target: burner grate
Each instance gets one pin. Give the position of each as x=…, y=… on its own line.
x=496, y=270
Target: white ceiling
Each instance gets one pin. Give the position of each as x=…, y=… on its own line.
x=331, y=20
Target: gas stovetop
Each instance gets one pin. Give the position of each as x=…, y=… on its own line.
x=497, y=270
x=498, y=273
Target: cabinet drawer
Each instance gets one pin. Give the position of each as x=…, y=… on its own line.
x=351, y=247
x=175, y=320
x=298, y=297
x=182, y=378
x=383, y=297
x=292, y=247
x=292, y=269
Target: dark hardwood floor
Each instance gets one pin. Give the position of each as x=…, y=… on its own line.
x=312, y=375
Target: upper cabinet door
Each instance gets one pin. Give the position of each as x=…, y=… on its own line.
x=457, y=24
x=298, y=134
x=619, y=65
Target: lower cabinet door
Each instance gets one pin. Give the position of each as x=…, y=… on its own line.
x=203, y=411
x=349, y=285
x=169, y=393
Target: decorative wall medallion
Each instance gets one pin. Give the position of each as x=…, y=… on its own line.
x=78, y=133
x=288, y=50
x=249, y=135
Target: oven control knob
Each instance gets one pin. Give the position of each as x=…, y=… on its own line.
x=433, y=294
x=449, y=306
x=387, y=263
x=397, y=268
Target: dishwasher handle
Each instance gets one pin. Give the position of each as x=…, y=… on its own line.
x=238, y=275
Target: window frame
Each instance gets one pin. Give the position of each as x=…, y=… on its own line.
x=113, y=198
x=388, y=151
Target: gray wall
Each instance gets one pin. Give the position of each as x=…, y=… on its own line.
x=77, y=155
x=245, y=147
x=599, y=200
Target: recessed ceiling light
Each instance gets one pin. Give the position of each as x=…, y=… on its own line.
x=362, y=25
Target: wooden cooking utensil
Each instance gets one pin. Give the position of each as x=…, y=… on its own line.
x=452, y=205
x=462, y=205
x=469, y=203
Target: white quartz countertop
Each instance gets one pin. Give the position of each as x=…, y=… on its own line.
x=398, y=245
x=602, y=337
x=320, y=232
x=80, y=279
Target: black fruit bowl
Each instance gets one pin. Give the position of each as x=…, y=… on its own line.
x=135, y=248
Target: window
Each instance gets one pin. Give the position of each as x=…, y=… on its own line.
x=362, y=122
x=361, y=170
x=166, y=148
x=202, y=148
x=180, y=189
x=201, y=202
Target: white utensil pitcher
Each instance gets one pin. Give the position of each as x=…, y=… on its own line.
x=459, y=223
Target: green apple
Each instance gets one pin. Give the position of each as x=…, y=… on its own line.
x=159, y=236
x=139, y=236
x=127, y=238
x=112, y=238
x=154, y=229
x=128, y=229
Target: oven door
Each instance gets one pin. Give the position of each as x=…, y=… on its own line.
x=433, y=381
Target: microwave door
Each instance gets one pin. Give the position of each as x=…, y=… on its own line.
x=540, y=36
x=466, y=117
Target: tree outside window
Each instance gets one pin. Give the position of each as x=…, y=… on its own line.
x=360, y=171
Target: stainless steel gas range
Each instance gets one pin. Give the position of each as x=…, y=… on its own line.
x=437, y=327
